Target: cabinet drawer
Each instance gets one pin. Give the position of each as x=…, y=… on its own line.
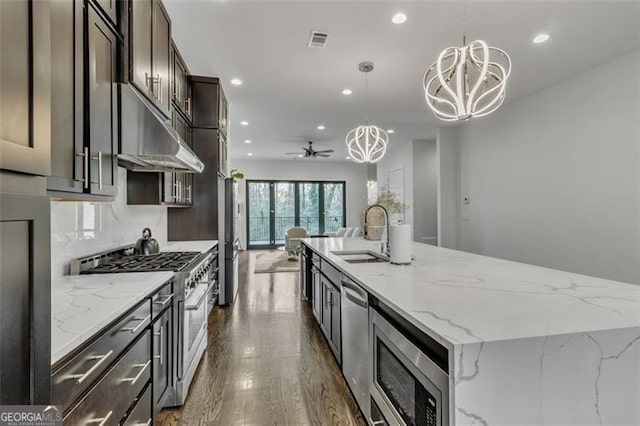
x=109, y=400
x=76, y=376
x=162, y=299
x=334, y=275
x=141, y=413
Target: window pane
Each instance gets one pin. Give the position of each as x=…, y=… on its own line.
x=310, y=207
x=258, y=213
x=285, y=209
x=333, y=206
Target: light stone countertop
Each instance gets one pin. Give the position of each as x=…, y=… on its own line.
x=82, y=305
x=466, y=298
x=201, y=246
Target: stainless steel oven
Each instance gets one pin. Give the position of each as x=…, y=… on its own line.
x=407, y=386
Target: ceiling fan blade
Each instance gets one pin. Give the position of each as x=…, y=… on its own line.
x=323, y=155
x=326, y=150
x=294, y=153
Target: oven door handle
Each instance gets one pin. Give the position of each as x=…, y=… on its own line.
x=198, y=303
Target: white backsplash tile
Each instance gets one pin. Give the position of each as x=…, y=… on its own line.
x=83, y=228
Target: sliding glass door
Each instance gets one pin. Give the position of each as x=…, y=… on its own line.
x=275, y=206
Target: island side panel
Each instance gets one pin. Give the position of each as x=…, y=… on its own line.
x=583, y=378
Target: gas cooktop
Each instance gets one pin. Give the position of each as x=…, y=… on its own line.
x=167, y=261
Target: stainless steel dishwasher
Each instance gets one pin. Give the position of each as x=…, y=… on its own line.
x=355, y=342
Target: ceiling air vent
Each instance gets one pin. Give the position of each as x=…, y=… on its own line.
x=318, y=39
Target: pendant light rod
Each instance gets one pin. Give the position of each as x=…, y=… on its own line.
x=366, y=67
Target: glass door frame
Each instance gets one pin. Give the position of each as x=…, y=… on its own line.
x=321, y=213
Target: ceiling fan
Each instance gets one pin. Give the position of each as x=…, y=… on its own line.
x=309, y=152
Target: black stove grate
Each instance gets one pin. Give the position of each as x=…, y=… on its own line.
x=167, y=261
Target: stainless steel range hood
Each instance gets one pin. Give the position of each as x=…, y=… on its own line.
x=148, y=142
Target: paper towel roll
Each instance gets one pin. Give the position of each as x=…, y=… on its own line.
x=400, y=244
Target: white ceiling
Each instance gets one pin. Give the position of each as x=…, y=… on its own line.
x=289, y=89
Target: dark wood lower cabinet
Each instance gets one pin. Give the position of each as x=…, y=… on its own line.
x=25, y=299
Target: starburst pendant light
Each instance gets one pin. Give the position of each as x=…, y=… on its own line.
x=368, y=143
x=467, y=81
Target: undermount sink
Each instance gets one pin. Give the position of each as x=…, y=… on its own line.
x=361, y=256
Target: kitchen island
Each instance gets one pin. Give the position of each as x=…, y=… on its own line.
x=526, y=345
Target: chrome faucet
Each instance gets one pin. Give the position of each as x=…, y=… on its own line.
x=385, y=247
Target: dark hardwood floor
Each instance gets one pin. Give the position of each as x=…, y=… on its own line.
x=266, y=362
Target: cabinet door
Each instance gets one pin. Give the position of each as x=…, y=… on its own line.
x=25, y=140
x=336, y=332
x=141, y=45
x=317, y=294
x=327, y=300
x=162, y=357
x=223, y=112
x=102, y=105
x=161, y=42
x=109, y=8
x=179, y=78
x=25, y=300
x=67, y=47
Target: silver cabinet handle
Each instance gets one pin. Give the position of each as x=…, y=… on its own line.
x=165, y=300
x=175, y=186
x=102, y=420
x=143, y=368
x=159, y=88
x=187, y=106
x=198, y=303
x=180, y=190
x=328, y=292
x=161, y=334
x=85, y=167
x=137, y=327
x=99, y=159
x=189, y=192
x=146, y=79
x=82, y=377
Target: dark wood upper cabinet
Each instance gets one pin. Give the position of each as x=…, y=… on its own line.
x=84, y=113
x=102, y=75
x=181, y=85
x=150, y=40
x=160, y=55
x=140, y=45
x=25, y=87
x=209, y=104
x=68, y=173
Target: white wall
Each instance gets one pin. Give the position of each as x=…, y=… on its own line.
x=355, y=176
x=553, y=179
x=399, y=156
x=425, y=197
x=80, y=229
x=448, y=182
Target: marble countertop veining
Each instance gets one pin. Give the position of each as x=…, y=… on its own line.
x=201, y=246
x=467, y=298
x=81, y=305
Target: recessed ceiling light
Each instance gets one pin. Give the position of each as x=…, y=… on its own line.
x=390, y=130
x=347, y=92
x=347, y=158
x=247, y=141
x=399, y=18
x=300, y=156
x=541, y=38
x=236, y=81
x=321, y=127
x=244, y=123
x=249, y=154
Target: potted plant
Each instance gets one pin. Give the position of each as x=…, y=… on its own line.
x=375, y=220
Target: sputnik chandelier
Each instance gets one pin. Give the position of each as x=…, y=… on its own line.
x=467, y=81
x=368, y=143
